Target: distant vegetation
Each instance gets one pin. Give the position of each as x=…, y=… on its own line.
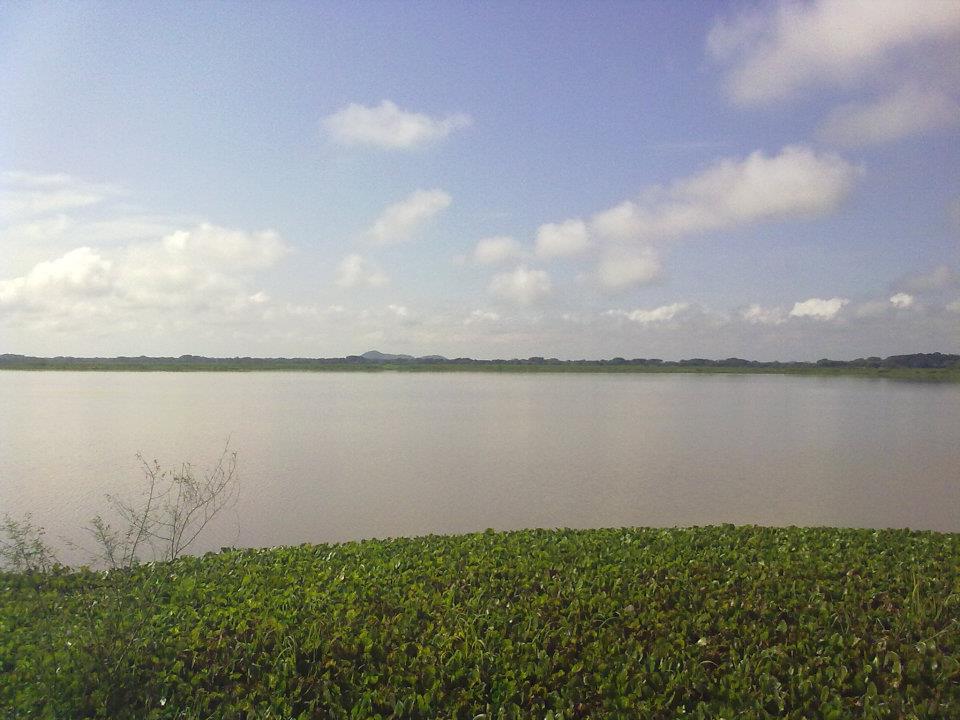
x=716, y=622
x=919, y=365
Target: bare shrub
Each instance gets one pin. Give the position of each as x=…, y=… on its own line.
x=22, y=547
x=177, y=506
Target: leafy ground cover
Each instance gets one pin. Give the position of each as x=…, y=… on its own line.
x=713, y=622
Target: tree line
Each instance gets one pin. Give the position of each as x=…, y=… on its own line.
x=935, y=360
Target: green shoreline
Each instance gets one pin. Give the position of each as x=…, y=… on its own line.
x=935, y=366
x=704, y=622
x=951, y=374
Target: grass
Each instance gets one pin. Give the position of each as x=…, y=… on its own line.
x=712, y=622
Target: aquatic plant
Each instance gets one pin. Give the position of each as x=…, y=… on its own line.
x=709, y=622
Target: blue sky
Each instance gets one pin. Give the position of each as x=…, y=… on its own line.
x=495, y=180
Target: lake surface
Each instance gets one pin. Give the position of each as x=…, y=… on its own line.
x=338, y=456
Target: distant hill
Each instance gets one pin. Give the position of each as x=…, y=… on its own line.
x=378, y=356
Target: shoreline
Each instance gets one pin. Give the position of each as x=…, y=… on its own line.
x=948, y=375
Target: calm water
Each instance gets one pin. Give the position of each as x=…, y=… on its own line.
x=342, y=456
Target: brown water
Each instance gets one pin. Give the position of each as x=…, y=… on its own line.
x=337, y=456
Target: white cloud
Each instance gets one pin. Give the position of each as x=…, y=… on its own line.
x=297, y=310
x=215, y=247
x=619, y=268
x=495, y=250
x=130, y=227
x=818, y=309
x=401, y=220
x=797, y=182
x=834, y=43
x=878, y=308
x=902, y=300
x=58, y=231
x=481, y=316
x=906, y=111
x=555, y=240
x=25, y=195
x=387, y=126
x=37, y=230
x=759, y=315
x=954, y=306
x=201, y=268
x=661, y=314
x=35, y=180
x=400, y=311
x=80, y=273
x=521, y=285
x=356, y=271
x=197, y=271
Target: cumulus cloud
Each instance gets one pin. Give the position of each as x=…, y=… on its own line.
x=818, y=308
x=902, y=300
x=556, y=240
x=660, y=314
x=797, y=182
x=773, y=54
x=401, y=220
x=496, y=250
x=522, y=286
x=759, y=315
x=619, y=268
x=906, y=111
x=215, y=246
x=356, y=271
x=80, y=273
x=387, y=126
x=201, y=270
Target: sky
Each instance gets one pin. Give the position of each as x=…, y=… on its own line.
x=495, y=180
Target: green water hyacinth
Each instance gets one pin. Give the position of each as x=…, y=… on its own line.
x=713, y=622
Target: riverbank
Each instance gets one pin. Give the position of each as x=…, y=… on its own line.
x=620, y=623
x=950, y=374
